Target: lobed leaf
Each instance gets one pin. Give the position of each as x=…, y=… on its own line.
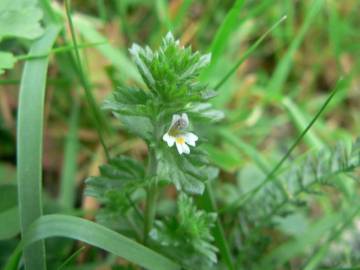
x=20, y=18
x=187, y=237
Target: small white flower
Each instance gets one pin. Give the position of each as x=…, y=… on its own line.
x=176, y=134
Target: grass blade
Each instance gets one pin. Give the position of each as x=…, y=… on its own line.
x=300, y=121
x=68, y=260
x=279, y=76
x=272, y=173
x=222, y=36
x=98, y=116
x=67, y=189
x=112, y=54
x=247, y=53
x=99, y=236
x=29, y=143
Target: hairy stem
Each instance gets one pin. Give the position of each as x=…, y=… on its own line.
x=151, y=195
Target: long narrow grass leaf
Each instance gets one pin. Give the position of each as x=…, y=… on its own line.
x=29, y=143
x=222, y=36
x=98, y=236
x=247, y=53
x=67, y=188
x=275, y=86
x=300, y=121
x=112, y=54
x=98, y=116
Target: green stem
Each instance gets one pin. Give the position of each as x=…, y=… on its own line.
x=151, y=195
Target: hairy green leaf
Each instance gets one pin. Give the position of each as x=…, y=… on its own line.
x=117, y=181
x=187, y=237
x=170, y=72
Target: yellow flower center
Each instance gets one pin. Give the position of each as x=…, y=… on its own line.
x=180, y=140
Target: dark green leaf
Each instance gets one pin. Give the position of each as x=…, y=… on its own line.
x=187, y=237
x=186, y=172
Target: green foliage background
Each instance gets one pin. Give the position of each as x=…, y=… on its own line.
x=286, y=196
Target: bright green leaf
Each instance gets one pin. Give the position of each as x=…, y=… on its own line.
x=20, y=18
x=7, y=61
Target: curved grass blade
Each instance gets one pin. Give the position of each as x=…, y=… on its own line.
x=99, y=120
x=222, y=36
x=75, y=254
x=279, y=76
x=96, y=235
x=29, y=143
x=114, y=55
x=247, y=53
x=300, y=121
x=61, y=49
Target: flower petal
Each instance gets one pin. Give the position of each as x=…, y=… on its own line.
x=179, y=148
x=185, y=118
x=174, y=119
x=191, y=138
x=169, y=139
x=185, y=148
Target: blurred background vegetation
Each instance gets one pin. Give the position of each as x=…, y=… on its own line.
x=268, y=102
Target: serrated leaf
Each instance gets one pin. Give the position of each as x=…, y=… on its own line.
x=170, y=72
x=7, y=61
x=20, y=19
x=177, y=170
x=186, y=172
x=205, y=111
x=118, y=179
x=137, y=125
x=187, y=237
x=128, y=101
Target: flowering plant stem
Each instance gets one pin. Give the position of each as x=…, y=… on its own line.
x=151, y=194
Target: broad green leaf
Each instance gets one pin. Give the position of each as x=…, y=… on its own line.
x=20, y=18
x=186, y=172
x=7, y=61
x=8, y=196
x=11, y=227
